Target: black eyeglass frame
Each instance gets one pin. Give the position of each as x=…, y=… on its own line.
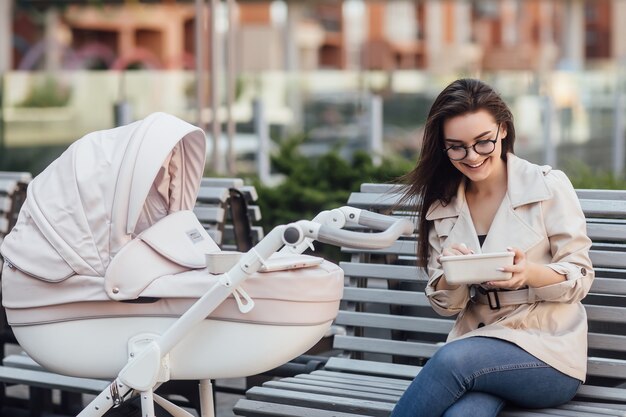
x=465, y=148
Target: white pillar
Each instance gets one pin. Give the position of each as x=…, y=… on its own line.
x=573, y=36
x=376, y=129
x=355, y=32
x=200, y=42
x=53, y=46
x=618, y=133
x=262, y=131
x=548, y=51
x=217, y=162
x=549, y=148
x=546, y=31
x=292, y=64
x=231, y=81
x=294, y=11
x=462, y=22
x=509, y=24
x=618, y=35
x=6, y=35
x=434, y=32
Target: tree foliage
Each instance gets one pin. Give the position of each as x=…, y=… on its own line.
x=312, y=185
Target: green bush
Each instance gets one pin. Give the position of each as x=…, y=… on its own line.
x=582, y=176
x=312, y=185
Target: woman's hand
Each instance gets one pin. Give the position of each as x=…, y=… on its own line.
x=519, y=269
x=456, y=249
x=526, y=273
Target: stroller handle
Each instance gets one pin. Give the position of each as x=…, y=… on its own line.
x=360, y=240
x=329, y=232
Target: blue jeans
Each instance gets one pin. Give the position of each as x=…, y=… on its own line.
x=476, y=376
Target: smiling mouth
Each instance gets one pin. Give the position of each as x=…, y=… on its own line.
x=478, y=165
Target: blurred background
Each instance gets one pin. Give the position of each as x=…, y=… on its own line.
x=280, y=85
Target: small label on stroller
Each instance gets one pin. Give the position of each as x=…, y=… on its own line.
x=195, y=236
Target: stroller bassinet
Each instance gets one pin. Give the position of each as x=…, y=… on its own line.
x=107, y=257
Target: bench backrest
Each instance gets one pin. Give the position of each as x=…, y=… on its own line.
x=388, y=317
x=13, y=187
x=227, y=209
x=12, y=195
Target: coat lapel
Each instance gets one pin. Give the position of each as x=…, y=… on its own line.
x=509, y=229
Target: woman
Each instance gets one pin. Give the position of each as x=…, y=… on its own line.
x=521, y=341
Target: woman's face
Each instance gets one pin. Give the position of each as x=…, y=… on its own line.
x=474, y=144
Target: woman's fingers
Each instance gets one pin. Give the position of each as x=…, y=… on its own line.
x=458, y=249
x=455, y=249
x=519, y=254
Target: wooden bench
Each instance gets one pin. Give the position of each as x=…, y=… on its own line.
x=392, y=330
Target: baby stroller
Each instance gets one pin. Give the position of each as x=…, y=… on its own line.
x=105, y=272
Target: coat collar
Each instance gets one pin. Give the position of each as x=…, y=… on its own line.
x=525, y=184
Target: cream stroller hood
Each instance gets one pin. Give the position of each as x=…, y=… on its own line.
x=105, y=189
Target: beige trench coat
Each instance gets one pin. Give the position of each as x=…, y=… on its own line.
x=541, y=215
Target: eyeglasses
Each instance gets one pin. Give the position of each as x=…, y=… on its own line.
x=481, y=147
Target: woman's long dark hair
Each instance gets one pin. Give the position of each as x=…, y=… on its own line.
x=434, y=177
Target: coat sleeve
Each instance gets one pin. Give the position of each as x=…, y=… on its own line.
x=444, y=302
x=569, y=244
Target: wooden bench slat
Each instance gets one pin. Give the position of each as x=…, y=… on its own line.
x=49, y=380
x=4, y=226
x=372, y=368
x=594, y=408
x=544, y=412
x=371, y=295
x=598, y=404
x=592, y=194
x=5, y=204
x=609, y=286
x=209, y=214
x=595, y=194
x=365, y=382
x=606, y=232
x=325, y=381
x=370, y=408
x=612, y=209
x=17, y=176
x=607, y=342
x=611, y=368
x=221, y=182
x=251, y=408
x=394, y=322
x=389, y=347
x=212, y=195
x=602, y=393
x=608, y=259
x=333, y=389
x=606, y=313
x=399, y=272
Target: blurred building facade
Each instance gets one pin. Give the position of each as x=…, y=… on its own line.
x=434, y=35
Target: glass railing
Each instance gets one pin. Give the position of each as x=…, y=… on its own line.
x=560, y=117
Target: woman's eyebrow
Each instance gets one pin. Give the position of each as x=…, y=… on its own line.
x=460, y=141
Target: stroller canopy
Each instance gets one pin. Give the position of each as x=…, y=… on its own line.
x=106, y=188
